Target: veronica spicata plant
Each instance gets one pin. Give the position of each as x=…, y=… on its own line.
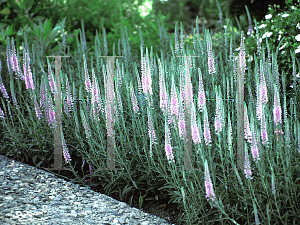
x=174, y=106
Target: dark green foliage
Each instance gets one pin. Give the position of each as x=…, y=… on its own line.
x=24, y=15
x=174, y=11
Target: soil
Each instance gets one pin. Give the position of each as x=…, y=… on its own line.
x=169, y=212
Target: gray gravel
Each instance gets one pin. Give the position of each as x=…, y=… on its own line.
x=32, y=196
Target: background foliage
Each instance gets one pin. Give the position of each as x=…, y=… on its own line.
x=278, y=34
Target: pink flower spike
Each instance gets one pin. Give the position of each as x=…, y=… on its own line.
x=211, y=62
x=2, y=114
x=218, y=120
x=201, y=94
x=134, y=100
x=174, y=100
x=2, y=87
x=195, y=131
x=51, y=78
x=151, y=128
x=247, y=169
x=181, y=120
x=255, y=152
x=91, y=169
x=277, y=108
x=37, y=109
x=207, y=136
x=168, y=147
x=208, y=185
x=65, y=151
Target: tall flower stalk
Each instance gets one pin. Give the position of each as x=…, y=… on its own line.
x=211, y=61
x=210, y=195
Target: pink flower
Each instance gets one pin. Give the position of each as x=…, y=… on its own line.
x=2, y=114
x=134, y=101
x=181, y=120
x=255, y=152
x=65, y=151
x=168, y=147
x=174, y=101
x=264, y=134
x=247, y=169
x=85, y=124
x=277, y=109
x=14, y=60
x=218, y=120
x=51, y=79
x=50, y=112
x=151, y=129
x=211, y=62
x=208, y=185
x=69, y=104
x=195, y=130
x=146, y=76
x=2, y=87
x=207, y=137
x=27, y=71
x=201, y=94
x=37, y=109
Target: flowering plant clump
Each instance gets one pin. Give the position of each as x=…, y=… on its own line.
x=281, y=30
x=174, y=129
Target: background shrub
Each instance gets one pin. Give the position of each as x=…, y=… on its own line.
x=280, y=28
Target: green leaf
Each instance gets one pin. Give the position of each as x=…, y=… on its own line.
x=34, y=158
x=176, y=192
x=5, y=12
x=134, y=184
x=8, y=31
x=26, y=157
x=114, y=191
x=140, y=201
x=130, y=200
x=153, y=26
x=126, y=190
x=37, y=165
